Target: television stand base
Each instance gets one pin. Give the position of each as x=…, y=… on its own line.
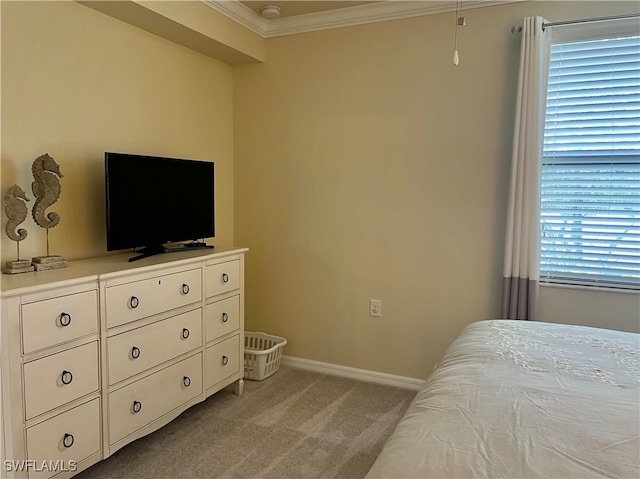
x=161, y=249
x=196, y=245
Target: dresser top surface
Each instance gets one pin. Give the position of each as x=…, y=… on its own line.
x=88, y=270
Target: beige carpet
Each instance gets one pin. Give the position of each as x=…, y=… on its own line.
x=295, y=424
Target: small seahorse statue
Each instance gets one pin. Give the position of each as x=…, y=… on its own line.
x=16, y=209
x=46, y=189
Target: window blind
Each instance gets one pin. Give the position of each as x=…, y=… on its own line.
x=590, y=190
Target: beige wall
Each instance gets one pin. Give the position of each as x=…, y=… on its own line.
x=588, y=307
x=365, y=166
x=368, y=166
x=76, y=83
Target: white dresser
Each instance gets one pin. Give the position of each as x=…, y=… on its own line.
x=105, y=351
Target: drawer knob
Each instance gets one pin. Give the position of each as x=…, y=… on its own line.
x=186, y=381
x=225, y=317
x=225, y=360
x=185, y=289
x=137, y=406
x=134, y=302
x=68, y=440
x=67, y=377
x=185, y=333
x=225, y=278
x=135, y=352
x=65, y=319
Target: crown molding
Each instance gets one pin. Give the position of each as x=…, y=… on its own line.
x=343, y=17
x=241, y=14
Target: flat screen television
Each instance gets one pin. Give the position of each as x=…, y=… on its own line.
x=152, y=201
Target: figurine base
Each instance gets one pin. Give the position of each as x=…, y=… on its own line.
x=44, y=263
x=18, y=266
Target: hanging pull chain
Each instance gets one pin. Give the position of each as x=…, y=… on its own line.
x=459, y=22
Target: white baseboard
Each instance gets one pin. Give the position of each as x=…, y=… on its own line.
x=353, y=373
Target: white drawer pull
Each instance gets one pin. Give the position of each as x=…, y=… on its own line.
x=65, y=319
x=67, y=377
x=135, y=352
x=68, y=440
x=225, y=360
x=134, y=302
x=185, y=289
x=225, y=317
x=225, y=278
x=137, y=407
x=186, y=381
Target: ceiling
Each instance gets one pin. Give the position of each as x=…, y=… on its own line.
x=298, y=16
x=290, y=8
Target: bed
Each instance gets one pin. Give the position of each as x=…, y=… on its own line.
x=516, y=399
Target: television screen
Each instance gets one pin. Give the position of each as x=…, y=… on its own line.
x=154, y=200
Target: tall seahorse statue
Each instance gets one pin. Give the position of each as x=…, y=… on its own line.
x=16, y=209
x=46, y=189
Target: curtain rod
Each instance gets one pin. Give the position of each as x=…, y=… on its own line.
x=588, y=20
x=518, y=28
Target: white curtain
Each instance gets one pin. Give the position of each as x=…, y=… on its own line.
x=522, y=241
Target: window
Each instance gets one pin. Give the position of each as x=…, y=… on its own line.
x=590, y=191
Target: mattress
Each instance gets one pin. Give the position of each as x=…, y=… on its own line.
x=524, y=399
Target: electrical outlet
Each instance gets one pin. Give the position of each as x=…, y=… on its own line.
x=375, y=308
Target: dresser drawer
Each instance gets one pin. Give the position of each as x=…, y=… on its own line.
x=65, y=439
x=57, y=320
x=54, y=380
x=222, y=317
x=222, y=277
x=142, y=348
x=139, y=299
x=144, y=401
x=222, y=361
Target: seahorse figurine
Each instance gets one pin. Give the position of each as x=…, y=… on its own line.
x=16, y=210
x=46, y=189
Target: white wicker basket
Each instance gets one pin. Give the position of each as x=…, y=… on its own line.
x=262, y=353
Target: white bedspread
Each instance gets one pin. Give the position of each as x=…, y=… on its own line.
x=515, y=399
